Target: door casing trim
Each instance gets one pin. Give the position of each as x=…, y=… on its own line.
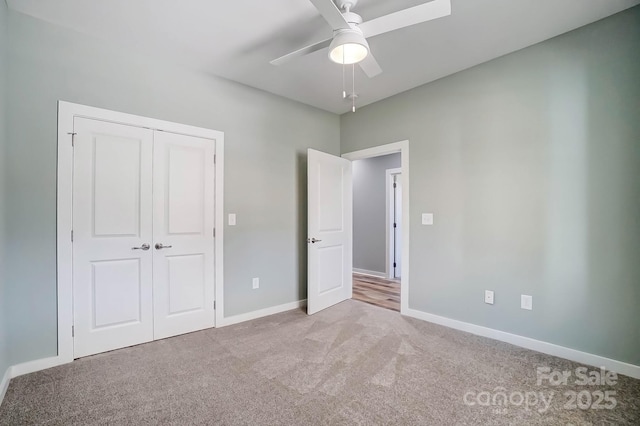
x=67, y=111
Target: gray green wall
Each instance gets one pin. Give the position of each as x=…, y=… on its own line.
x=531, y=165
x=4, y=359
x=266, y=138
x=369, y=211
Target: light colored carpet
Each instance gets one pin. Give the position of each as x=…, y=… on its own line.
x=351, y=364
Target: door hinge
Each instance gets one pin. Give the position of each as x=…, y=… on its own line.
x=394, y=184
x=214, y=232
x=214, y=159
x=214, y=304
x=73, y=331
x=72, y=235
x=394, y=264
x=394, y=225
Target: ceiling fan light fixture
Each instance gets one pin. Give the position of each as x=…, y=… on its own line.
x=348, y=47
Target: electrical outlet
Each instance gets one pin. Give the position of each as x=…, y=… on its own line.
x=488, y=297
x=427, y=218
x=256, y=283
x=526, y=302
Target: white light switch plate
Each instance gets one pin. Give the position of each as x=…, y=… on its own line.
x=488, y=297
x=526, y=302
x=427, y=218
x=256, y=283
x=232, y=219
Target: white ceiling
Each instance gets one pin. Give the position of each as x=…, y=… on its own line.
x=236, y=39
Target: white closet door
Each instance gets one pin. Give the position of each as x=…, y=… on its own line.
x=112, y=222
x=183, y=222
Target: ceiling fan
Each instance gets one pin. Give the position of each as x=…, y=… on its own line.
x=349, y=45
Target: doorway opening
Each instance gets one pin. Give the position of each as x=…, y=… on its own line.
x=376, y=251
x=381, y=225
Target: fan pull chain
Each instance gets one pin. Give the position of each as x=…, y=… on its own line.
x=344, y=90
x=353, y=88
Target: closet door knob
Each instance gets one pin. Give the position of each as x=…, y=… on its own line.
x=159, y=246
x=144, y=247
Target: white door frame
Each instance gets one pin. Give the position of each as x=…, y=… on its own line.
x=392, y=148
x=390, y=200
x=66, y=113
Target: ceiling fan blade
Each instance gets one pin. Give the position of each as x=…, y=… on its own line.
x=331, y=14
x=301, y=52
x=370, y=66
x=407, y=17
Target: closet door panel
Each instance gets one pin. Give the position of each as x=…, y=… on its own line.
x=112, y=222
x=183, y=221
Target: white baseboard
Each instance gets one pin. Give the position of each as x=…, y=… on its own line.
x=37, y=365
x=367, y=272
x=262, y=313
x=528, y=343
x=26, y=368
x=4, y=384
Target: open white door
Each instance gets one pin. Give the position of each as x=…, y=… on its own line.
x=330, y=220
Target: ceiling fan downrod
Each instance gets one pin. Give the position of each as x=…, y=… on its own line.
x=346, y=5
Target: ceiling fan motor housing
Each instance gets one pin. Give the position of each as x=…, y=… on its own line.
x=352, y=18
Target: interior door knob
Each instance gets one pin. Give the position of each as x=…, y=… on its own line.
x=159, y=246
x=144, y=247
x=313, y=240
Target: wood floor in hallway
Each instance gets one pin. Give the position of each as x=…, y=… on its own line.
x=377, y=291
